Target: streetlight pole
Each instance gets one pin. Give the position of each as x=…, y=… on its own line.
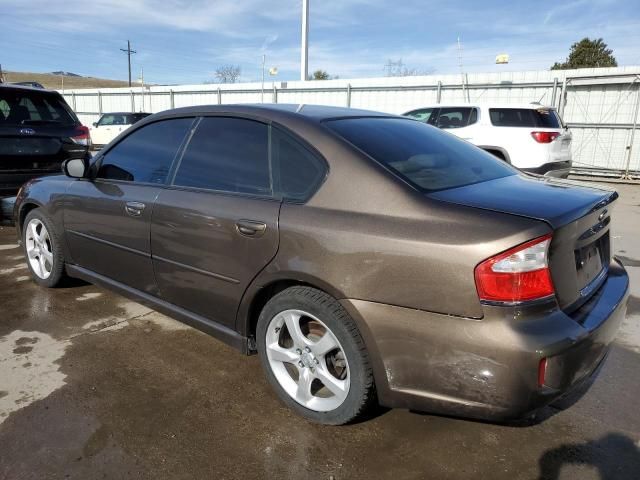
x=264, y=58
x=304, y=55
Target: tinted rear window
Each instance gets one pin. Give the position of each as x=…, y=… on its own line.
x=33, y=108
x=426, y=157
x=524, y=117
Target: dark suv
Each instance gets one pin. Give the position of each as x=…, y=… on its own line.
x=38, y=131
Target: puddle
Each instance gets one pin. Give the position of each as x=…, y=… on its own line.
x=8, y=271
x=28, y=369
x=88, y=296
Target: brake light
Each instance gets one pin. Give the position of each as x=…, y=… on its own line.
x=544, y=137
x=81, y=136
x=517, y=275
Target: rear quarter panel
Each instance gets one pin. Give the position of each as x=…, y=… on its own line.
x=424, y=260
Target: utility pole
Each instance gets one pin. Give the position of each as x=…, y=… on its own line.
x=304, y=54
x=128, y=51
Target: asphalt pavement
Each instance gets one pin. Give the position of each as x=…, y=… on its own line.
x=95, y=386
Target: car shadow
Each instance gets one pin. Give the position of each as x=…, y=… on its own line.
x=615, y=456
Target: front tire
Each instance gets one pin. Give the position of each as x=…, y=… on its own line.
x=314, y=357
x=42, y=249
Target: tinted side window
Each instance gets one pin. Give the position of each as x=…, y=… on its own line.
x=227, y=154
x=454, y=117
x=524, y=117
x=146, y=154
x=298, y=170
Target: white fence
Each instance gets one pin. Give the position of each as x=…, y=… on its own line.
x=600, y=106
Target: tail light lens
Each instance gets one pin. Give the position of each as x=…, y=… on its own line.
x=544, y=137
x=517, y=275
x=542, y=371
x=81, y=136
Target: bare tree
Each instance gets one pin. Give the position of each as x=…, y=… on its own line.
x=397, y=68
x=228, y=73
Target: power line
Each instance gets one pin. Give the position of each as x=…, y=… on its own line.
x=129, y=52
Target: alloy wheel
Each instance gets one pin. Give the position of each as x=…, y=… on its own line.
x=39, y=248
x=307, y=360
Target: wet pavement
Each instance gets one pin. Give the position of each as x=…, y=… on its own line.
x=95, y=386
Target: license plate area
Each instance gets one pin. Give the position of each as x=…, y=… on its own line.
x=591, y=260
x=18, y=146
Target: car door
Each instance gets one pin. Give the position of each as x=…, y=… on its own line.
x=107, y=219
x=216, y=226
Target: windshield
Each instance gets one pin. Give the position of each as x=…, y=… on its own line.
x=32, y=108
x=424, y=156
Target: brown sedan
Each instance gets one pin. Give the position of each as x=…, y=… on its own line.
x=367, y=258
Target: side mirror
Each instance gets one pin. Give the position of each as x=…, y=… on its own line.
x=95, y=124
x=76, y=168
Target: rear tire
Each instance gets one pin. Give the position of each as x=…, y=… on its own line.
x=42, y=249
x=314, y=356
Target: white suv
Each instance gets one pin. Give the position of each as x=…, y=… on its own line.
x=111, y=125
x=531, y=137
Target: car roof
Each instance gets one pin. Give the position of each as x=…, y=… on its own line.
x=483, y=105
x=126, y=113
x=12, y=86
x=278, y=111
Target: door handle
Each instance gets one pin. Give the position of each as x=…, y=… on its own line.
x=134, y=209
x=250, y=228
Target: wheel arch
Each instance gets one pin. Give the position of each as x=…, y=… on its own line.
x=26, y=207
x=259, y=293
x=497, y=151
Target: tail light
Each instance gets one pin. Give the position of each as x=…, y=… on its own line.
x=542, y=371
x=81, y=136
x=544, y=137
x=517, y=275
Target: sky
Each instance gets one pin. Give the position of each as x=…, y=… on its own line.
x=180, y=42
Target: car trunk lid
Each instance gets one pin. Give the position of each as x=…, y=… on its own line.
x=27, y=148
x=580, y=216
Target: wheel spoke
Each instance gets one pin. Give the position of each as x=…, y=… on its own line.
x=48, y=256
x=34, y=232
x=293, y=326
x=278, y=354
x=303, y=392
x=31, y=253
x=335, y=386
x=324, y=345
x=43, y=267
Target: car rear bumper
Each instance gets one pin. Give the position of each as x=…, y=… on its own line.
x=488, y=368
x=552, y=169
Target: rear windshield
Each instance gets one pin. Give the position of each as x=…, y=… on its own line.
x=424, y=156
x=33, y=108
x=525, y=117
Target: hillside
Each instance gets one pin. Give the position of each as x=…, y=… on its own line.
x=49, y=80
